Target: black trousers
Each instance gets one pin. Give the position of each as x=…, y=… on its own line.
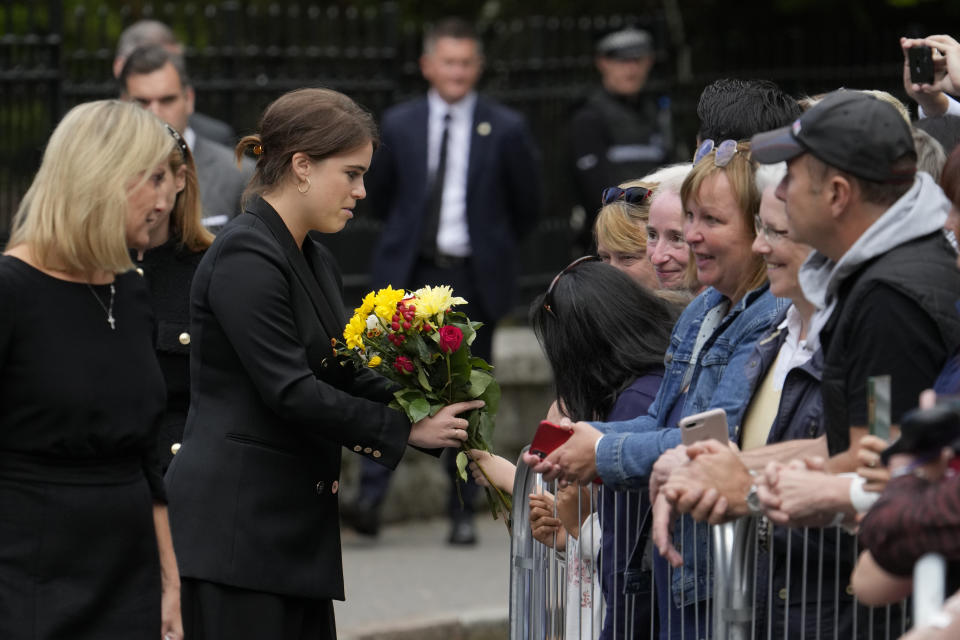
x=213, y=611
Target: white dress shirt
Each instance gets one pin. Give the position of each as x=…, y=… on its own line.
x=453, y=236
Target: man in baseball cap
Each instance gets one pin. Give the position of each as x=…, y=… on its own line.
x=882, y=276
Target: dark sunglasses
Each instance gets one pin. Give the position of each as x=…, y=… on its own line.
x=548, y=298
x=630, y=195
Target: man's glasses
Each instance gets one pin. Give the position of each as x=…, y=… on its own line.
x=630, y=195
x=548, y=298
x=770, y=234
x=725, y=152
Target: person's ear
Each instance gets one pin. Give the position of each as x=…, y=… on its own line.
x=300, y=165
x=190, y=97
x=839, y=189
x=180, y=178
x=426, y=66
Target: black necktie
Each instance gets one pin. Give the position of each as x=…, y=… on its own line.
x=435, y=201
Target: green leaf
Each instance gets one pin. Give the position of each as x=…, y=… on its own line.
x=479, y=381
x=473, y=428
x=486, y=428
x=480, y=363
x=491, y=396
x=462, y=465
x=423, y=352
x=422, y=378
x=418, y=409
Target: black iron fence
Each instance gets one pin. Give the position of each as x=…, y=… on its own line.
x=241, y=55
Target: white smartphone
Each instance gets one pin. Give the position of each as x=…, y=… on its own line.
x=703, y=426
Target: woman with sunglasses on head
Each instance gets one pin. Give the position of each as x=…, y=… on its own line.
x=783, y=421
x=639, y=229
x=85, y=547
x=178, y=241
x=705, y=363
x=254, y=486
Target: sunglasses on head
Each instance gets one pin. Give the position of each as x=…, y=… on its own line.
x=548, y=298
x=630, y=195
x=725, y=152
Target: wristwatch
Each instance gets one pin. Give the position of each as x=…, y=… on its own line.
x=753, y=498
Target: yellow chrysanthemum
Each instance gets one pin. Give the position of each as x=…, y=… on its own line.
x=353, y=332
x=366, y=307
x=385, y=303
x=434, y=300
x=374, y=361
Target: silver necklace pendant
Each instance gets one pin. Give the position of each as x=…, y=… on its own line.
x=108, y=309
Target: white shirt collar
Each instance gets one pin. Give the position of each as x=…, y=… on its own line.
x=460, y=111
x=190, y=137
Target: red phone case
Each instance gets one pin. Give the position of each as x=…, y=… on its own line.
x=548, y=437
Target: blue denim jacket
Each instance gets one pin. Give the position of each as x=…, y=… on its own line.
x=626, y=453
x=628, y=449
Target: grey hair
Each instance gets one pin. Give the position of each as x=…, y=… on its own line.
x=668, y=178
x=770, y=175
x=143, y=33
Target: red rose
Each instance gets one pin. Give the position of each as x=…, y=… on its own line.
x=450, y=338
x=403, y=364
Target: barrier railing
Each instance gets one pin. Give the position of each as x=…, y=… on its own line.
x=759, y=582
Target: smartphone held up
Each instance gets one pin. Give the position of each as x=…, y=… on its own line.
x=920, y=60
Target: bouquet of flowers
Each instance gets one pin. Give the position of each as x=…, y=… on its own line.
x=417, y=340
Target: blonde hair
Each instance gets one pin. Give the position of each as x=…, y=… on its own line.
x=186, y=219
x=73, y=217
x=622, y=226
x=808, y=102
x=741, y=174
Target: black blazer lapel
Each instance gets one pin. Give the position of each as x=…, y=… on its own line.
x=480, y=144
x=327, y=306
x=419, y=140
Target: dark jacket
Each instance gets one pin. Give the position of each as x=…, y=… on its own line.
x=253, y=490
x=923, y=270
x=800, y=414
x=615, y=139
x=503, y=197
x=168, y=272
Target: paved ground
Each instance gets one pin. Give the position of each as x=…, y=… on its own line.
x=409, y=578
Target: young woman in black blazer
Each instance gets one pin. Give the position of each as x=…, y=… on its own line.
x=253, y=489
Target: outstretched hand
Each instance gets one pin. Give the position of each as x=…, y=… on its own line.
x=574, y=460
x=444, y=429
x=498, y=469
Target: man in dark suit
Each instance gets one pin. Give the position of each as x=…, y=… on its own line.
x=157, y=79
x=143, y=33
x=457, y=179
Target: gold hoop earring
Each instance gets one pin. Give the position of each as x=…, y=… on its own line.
x=303, y=192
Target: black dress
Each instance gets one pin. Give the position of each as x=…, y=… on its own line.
x=79, y=403
x=168, y=271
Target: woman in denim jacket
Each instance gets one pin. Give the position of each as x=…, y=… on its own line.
x=705, y=363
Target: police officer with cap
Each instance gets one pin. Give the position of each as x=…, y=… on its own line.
x=619, y=132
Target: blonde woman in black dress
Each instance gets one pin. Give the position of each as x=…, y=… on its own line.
x=85, y=546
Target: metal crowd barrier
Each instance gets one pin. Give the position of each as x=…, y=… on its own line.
x=751, y=579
